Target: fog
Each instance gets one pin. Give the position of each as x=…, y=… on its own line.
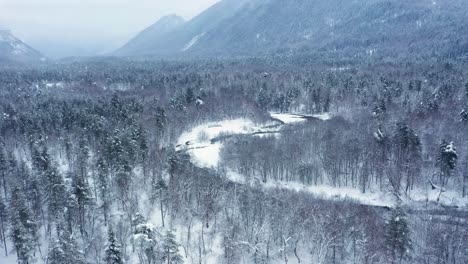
x=87, y=27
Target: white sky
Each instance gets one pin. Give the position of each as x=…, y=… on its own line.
x=90, y=24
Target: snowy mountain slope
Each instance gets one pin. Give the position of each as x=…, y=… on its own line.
x=178, y=39
x=13, y=49
x=354, y=28
x=144, y=40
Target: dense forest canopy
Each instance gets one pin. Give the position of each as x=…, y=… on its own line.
x=92, y=170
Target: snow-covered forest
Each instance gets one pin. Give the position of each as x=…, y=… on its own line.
x=115, y=161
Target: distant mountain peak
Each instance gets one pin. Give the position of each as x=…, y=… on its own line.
x=13, y=49
x=172, y=18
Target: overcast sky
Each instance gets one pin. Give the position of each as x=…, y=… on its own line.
x=64, y=27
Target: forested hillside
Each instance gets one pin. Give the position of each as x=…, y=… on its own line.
x=392, y=30
x=101, y=162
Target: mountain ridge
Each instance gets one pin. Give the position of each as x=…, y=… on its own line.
x=387, y=28
x=12, y=49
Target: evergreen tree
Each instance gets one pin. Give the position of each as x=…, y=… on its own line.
x=3, y=224
x=264, y=98
x=53, y=185
x=179, y=102
x=161, y=119
x=446, y=161
x=82, y=194
x=56, y=255
x=103, y=185
x=113, y=250
x=82, y=157
x=170, y=249
x=466, y=89
x=55, y=194
x=64, y=249
x=407, y=148
x=464, y=116
x=398, y=236
x=327, y=103
x=23, y=227
x=146, y=240
x=3, y=171
x=190, y=96
x=317, y=99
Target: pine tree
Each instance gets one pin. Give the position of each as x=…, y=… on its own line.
x=103, y=185
x=408, y=155
x=398, y=236
x=56, y=255
x=446, y=161
x=317, y=99
x=264, y=98
x=82, y=157
x=55, y=194
x=190, y=96
x=466, y=89
x=179, y=102
x=23, y=227
x=327, y=103
x=464, y=116
x=64, y=249
x=52, y=182
x=3, y=171
x=159, y=191
x=3, y=224
x=170, y=249
x=146, y=239
x=82, y=194
x=161, y=119
x=113, y=250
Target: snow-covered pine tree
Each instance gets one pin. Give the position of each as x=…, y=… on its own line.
x=3, y=224
x=190, y=96
x=446, y=161
x=3, y=171
x=23, y=230
x=146, y=240
x=161, y=119
x=55, y=191
x=64, y=249
x=464, y=116
x=398, y=236
x=466, y=89
x=113, y=250
x=82, y=194
x=103, y=185
x=264, y=97
x=170, y=249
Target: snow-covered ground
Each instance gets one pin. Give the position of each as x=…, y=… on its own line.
x=193, y=41
x=289, y=118
x=200, y=142
x=322, y=191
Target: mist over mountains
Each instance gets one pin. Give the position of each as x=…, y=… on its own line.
x=332, y=29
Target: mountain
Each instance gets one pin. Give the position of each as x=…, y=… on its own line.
x=143, y=41
x=13, y=49
x=385, y=28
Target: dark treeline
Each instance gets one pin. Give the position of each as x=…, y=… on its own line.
x=88, y=171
